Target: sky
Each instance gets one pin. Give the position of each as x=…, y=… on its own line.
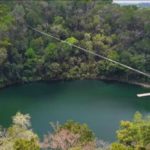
x=132, y=1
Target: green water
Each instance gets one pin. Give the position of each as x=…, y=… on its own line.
x=99, y=104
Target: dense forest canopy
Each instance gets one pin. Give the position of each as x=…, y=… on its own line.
x=119, y=33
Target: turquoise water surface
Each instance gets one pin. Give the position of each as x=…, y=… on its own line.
x=99, y=104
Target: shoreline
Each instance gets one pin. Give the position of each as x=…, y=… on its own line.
x=141, y=84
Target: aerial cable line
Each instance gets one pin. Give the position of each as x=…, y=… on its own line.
x=93, y=53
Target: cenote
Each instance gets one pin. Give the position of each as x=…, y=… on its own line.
x=99, y=104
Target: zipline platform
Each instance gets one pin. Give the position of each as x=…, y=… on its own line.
x=143, y=95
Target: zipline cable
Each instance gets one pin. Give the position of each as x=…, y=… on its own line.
x=93, y=53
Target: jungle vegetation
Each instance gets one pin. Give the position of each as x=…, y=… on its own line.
x=119, y=33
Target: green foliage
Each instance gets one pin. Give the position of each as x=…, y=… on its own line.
x=6, y=17
x=71, y=40
x=19, y=136
x=73, y=73
x=119, y=33
x=51, y=50
x=3, y=55
x=33, y=16
x=58, y=20
x=55, y=67
x=22, y=144
x=135, y=134
x=30, y=53
x=117, y=146
x=86, y=135
x=113, y=55
x=5, y=43
x=37, y=43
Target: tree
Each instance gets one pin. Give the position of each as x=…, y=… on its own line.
x=3, y=55
x=19, y=136
x=71, y=40
x=30, y=53
x=64, y=139
x=19, y=13
x=117, y=146
x=22, y=120
x=22, y=144
x=6, y=18
x=86, y=135
x=51, y=51
x=54, y=70
x=71, y=136
x=134, y=134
